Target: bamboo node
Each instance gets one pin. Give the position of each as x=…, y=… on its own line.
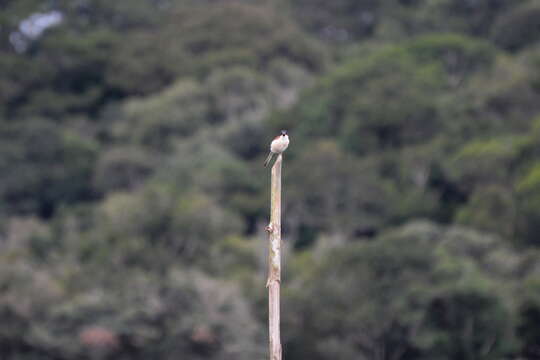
x=272, y=278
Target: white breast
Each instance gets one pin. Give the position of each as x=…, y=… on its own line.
x=280, y=144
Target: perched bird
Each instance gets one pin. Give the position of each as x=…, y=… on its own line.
x=278, y=145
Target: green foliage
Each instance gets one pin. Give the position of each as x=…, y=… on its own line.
x=492, y=209
x=386, y=99
x=340, y=20
x=153, y=121
x=213, y=37
x=43, y=167
x=518, y=28
x=476, y=17
x=160, y=223
x=531, y=180
x=485, y=161
x=150, y=327
x=460, y=55
x=133, y=199
x=122, y=168
x=418, y=292
x=529, y=313
x=529, y=197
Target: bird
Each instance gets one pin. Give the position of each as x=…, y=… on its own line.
x=278, y=145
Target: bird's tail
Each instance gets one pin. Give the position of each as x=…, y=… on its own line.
x=268, y=159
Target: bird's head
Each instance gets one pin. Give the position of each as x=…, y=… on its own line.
x=283, y=132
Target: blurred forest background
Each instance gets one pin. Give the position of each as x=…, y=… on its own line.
x=133, y=198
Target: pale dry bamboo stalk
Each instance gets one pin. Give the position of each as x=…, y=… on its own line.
x=274, y=262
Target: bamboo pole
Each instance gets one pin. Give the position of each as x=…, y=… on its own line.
x=274, y=262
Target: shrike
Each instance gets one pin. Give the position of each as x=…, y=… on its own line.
x=278, y=145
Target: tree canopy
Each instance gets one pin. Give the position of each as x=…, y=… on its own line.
x=134, y=201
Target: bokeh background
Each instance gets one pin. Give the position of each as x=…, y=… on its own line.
x=133, y=199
